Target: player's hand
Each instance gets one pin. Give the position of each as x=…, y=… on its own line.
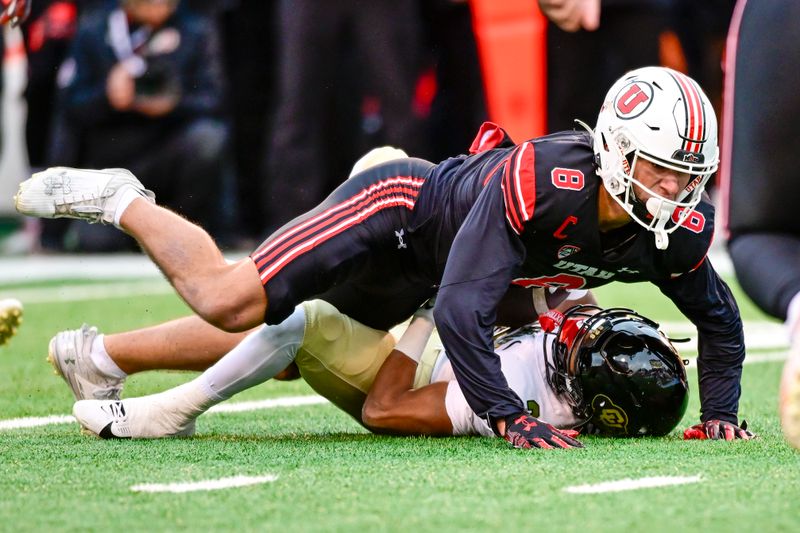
x=120, y=88
x=718, y=430
x=572, y=15
x=525, y=431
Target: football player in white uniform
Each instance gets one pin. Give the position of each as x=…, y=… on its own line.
x=611, y=372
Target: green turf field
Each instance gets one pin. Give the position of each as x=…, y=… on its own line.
x=328, y=474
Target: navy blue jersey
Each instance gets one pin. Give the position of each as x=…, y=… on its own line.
x=530, y=217
x=477, y=224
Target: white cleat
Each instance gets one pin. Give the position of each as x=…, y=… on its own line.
x=789, y=404
x=149, y=417
x=10, y=318
x=69, y=353
x=90, y=195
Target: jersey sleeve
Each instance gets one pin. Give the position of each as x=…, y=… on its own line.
x=463, y=418
x=519, y=186
x=480, y=267
x=705, y=299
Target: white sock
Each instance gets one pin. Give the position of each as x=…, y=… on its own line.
x=189, y=400
x=128, y=195
x=793, y=317
x=260, y=356
x=103, y=361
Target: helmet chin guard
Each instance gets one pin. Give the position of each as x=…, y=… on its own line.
x=662, y=116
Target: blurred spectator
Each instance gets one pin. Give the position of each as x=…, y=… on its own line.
x=249, y=36
x=458, y=107
x=142, y=89
x=701, y=28
x=582, y=63
x=382, y=37
x=48, y=34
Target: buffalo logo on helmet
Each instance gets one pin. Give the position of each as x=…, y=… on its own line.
x=609, y=415
x=633, y=100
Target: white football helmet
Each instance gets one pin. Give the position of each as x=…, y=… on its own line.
x=662, y=116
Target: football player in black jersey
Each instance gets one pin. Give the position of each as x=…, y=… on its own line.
x=759, y=180
x=569, y=210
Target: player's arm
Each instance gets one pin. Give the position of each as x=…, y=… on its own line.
x=485, y=254
x=706, y=300
x=572, y=15
x=517, y=308
x=393, y=405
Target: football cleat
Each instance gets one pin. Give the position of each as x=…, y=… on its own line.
x=10, y=318
x=90, y=195
x=789, y=404
x=69, y=353
x=149, y=417
x=134, y=418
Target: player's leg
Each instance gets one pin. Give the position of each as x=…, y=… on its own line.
x=337, y=356
x=340, y=357
x=350, y=237
x=761, y=118
x=95, y=365
x=228, y=296
x=258, y=357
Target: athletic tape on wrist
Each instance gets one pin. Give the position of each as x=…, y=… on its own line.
x=413, y=341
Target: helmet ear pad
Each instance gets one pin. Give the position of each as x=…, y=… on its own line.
x=628, y=377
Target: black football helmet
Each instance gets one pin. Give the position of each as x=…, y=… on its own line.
x=620, y=373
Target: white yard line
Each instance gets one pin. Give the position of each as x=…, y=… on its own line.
x=87, y=292
x=232, y=407
x=210, y=484
x=632, y=484
x=34, y=268
x=35, y=421
x=255, y=405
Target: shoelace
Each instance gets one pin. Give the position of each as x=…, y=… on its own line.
x=115, y=409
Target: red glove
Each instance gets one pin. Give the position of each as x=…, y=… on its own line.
x=525, y=431
x=718, y=430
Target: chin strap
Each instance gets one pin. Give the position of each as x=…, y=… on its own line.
x=662, y=240
x=661, y=215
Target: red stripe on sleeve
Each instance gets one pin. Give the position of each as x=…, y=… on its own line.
x=519, y=186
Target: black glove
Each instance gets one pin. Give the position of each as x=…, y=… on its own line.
x=717, y=430
x=525, y=431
